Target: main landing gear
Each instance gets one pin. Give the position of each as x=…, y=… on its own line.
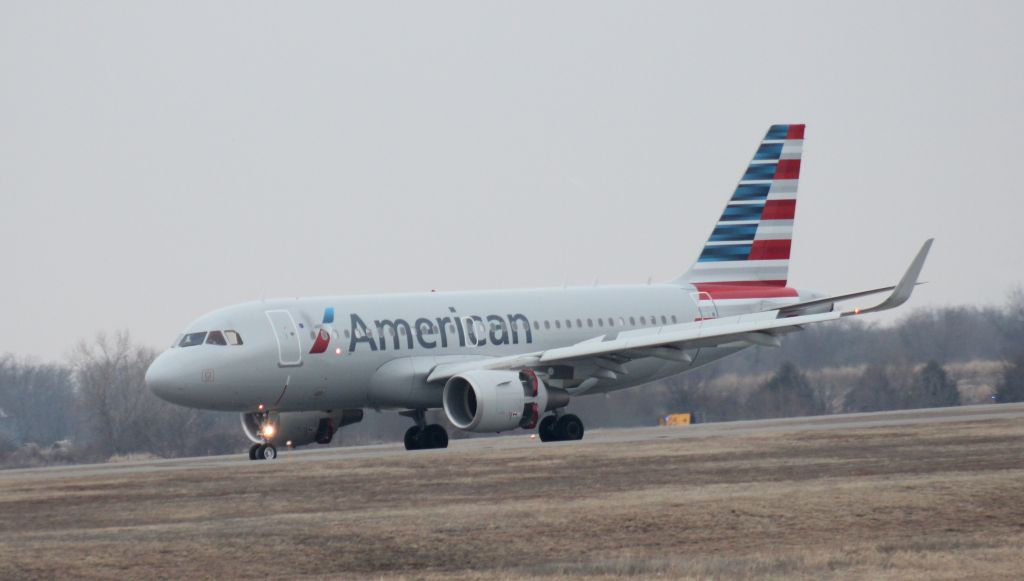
x=560, y=428
x=424, y=436
x=262, y=452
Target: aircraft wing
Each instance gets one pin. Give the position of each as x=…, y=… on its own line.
x=607, y=353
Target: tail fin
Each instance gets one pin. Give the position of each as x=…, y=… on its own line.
x=750, y=244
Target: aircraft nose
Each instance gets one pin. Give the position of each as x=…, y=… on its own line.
x=160, y=377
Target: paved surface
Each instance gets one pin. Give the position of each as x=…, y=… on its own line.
x=523, y=440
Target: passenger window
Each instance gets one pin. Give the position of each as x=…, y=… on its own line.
x=632, y=322
x=590, y=322
x=216, y=338
x=622, y=321
x=233, y=337
x=664, y=321
x=547, y=324
x=536, y=326
x=558, y=324
x=643, y=321
x=192, y=339
x=600, y=322
x=673, y=318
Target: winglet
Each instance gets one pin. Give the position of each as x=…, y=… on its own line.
x=905, y=287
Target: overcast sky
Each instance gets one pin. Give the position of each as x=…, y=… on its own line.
x=160, y=160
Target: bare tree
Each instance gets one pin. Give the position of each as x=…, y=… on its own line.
x=38, y=400
x=119, y=415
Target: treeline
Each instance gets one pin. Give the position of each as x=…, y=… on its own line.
x=852, y=365
x=95, y=407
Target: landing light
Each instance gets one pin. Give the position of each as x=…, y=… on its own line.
x=337, y=351
x=856, y=311
x=268, y=431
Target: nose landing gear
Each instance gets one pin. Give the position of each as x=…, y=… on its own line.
x=424, y=436
x=262, y=452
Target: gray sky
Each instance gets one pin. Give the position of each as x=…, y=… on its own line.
x=158, y=161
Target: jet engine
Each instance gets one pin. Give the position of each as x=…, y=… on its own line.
x=297, y=428
x=495, y=401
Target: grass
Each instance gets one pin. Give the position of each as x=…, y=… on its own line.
x=924, y=501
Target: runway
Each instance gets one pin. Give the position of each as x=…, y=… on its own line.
x=924, y=494
x=523, y=440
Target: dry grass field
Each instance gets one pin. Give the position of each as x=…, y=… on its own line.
x=912, y=501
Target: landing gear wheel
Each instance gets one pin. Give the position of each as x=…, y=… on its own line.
x=269, y=452
x=253, y=450
x=546, y=430
x=412, y=438
x=434, y=436
x=569, y=427
x=259, y=451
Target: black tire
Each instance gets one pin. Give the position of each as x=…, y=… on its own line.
x=569, y=427
x=252, y=451
x=269, y=452
x=434, y=437
x=260, y=448
x=412, y=438
x=546, y=429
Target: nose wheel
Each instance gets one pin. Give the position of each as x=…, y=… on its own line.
x=262, y=452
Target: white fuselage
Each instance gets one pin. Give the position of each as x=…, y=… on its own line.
x=376, y=351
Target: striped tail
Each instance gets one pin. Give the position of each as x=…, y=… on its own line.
x=750, y=244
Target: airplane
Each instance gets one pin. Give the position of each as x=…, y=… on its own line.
x=298, y=370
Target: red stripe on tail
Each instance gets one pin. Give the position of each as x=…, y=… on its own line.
x=795, y=132
x=788, y=169
x=770, y=250
x=720, y=291
x=779, y=210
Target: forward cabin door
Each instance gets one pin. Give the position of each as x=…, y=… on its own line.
x=289, y=351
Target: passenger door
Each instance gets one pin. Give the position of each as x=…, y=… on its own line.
x=289, y=350
x=706, y=307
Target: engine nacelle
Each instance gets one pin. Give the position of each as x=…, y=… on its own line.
x=298, y=428
x=495, y=401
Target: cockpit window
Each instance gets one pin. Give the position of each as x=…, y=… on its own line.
x=233, y=337
x=216, y=338
x=191, y=339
